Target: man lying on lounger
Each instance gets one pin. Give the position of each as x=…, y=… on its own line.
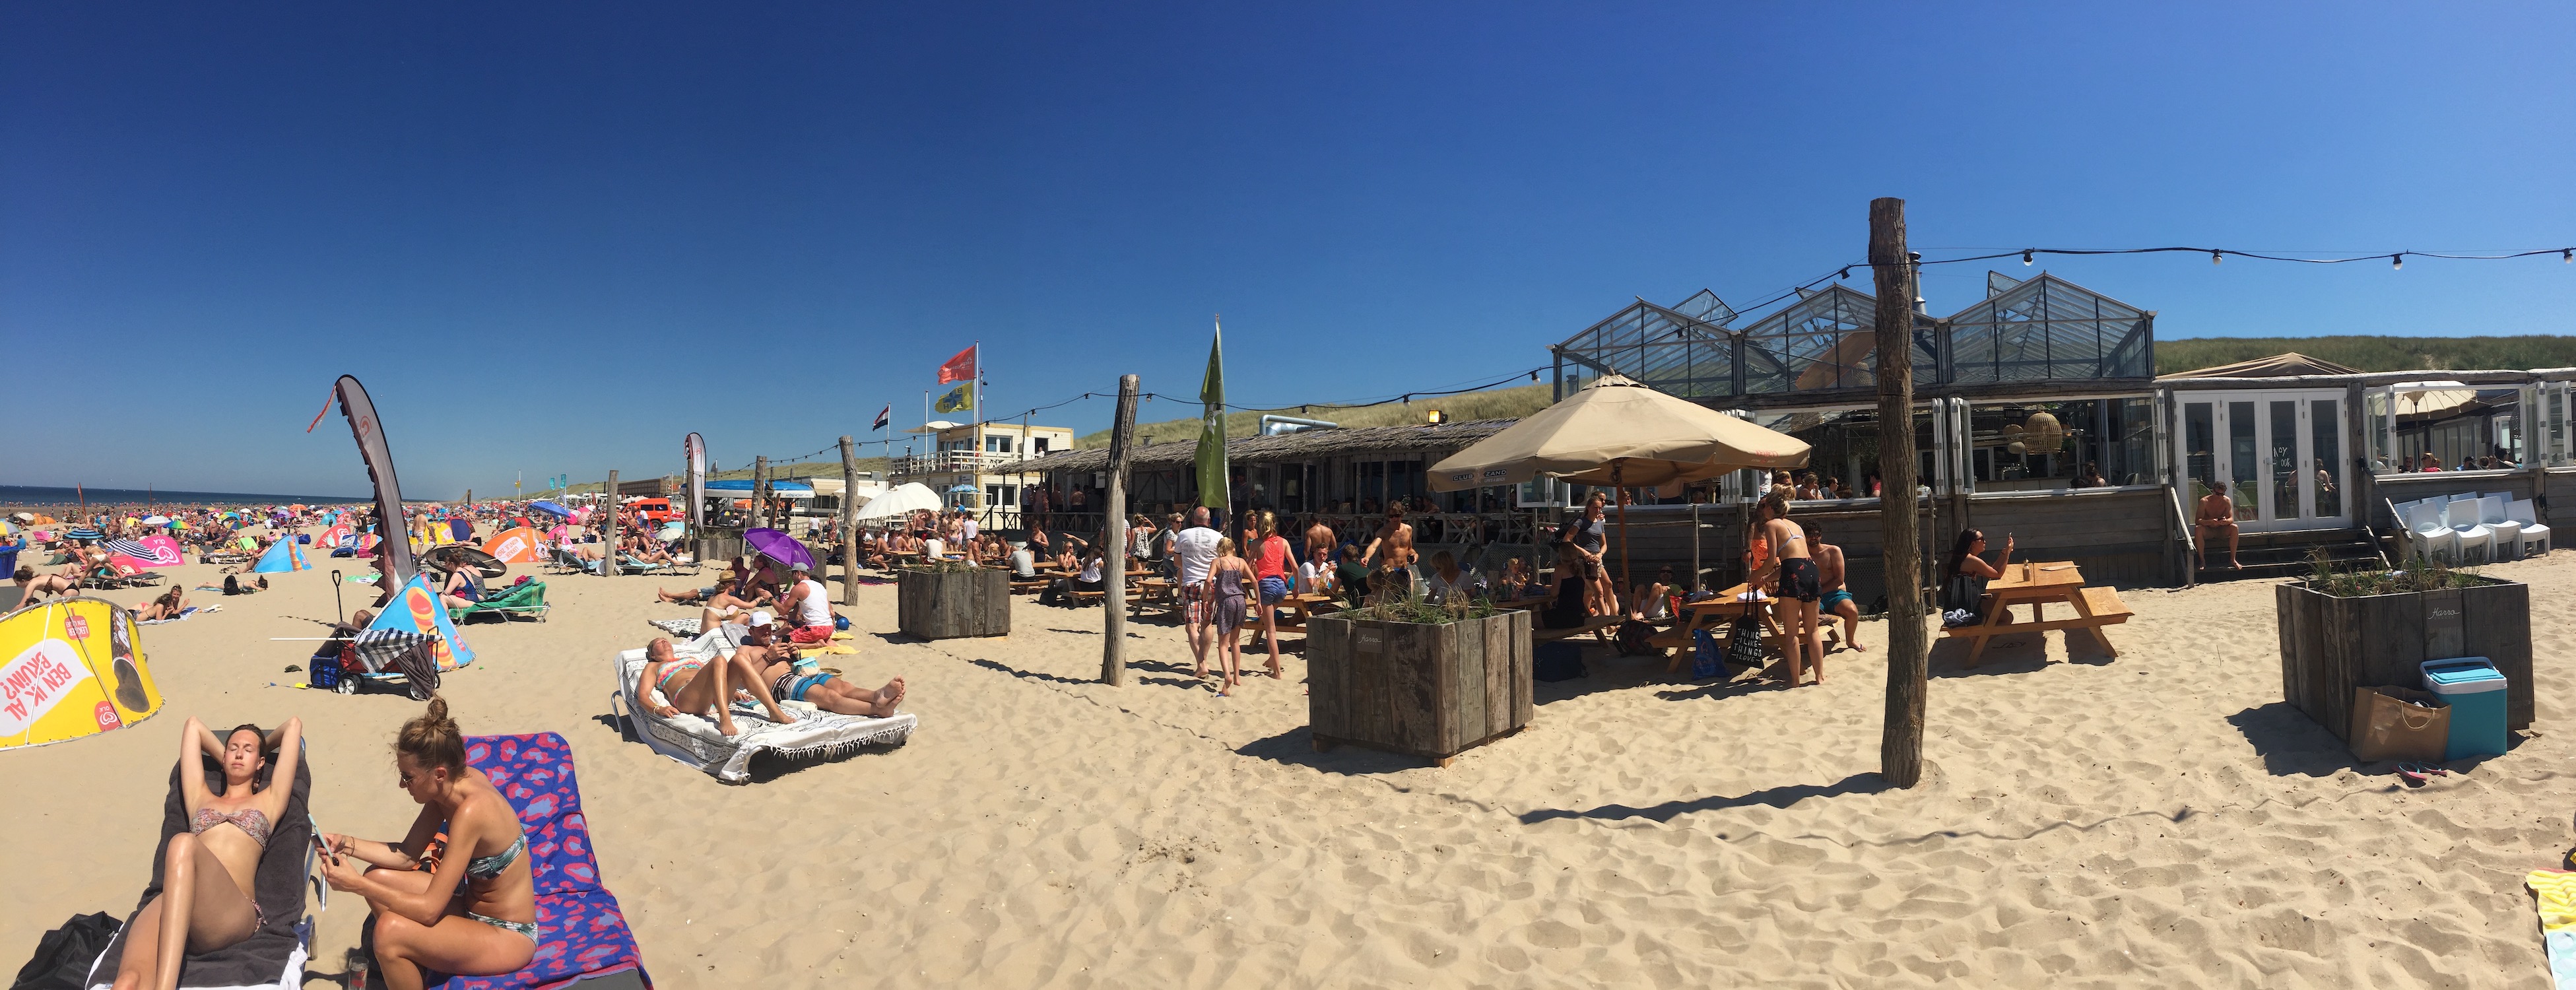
x=777, y=665
x=694, y=686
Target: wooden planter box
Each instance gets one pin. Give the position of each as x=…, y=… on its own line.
x=2330, y=645
x=1426, y=690
x=952, y=604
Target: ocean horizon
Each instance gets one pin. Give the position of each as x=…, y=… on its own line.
x=33, y=495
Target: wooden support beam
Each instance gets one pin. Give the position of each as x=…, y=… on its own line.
x=849, y=525
x=1900, y=747
x=1113, y=557
x=608, y=558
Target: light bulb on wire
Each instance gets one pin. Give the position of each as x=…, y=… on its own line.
x=2397, y=262
x=2567, y=256
x=2216, y=257
x=2025, y=258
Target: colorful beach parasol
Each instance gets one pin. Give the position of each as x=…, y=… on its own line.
x=777, y=545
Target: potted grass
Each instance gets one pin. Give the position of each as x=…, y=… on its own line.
x=950, y=599
x=2346, y=629
x=1415, y=678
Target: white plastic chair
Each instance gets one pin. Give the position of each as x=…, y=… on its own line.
x=2477, y=542
x=2508, y=533
x=2533, y=534
x=2431, y=537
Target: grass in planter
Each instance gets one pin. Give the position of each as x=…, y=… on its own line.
x=1389, y=606
x=2419, y=574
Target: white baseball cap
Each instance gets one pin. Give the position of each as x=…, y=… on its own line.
x=759, y=619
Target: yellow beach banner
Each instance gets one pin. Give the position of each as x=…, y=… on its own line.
x=75, y=668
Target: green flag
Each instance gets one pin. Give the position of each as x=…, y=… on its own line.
x=1211, y=453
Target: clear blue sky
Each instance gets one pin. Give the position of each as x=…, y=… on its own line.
x=555, y=237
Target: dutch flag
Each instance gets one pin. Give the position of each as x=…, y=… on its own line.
x=882, y=416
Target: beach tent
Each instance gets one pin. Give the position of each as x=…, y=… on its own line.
x=76, y=669
x=521, y=545
x=331, y=538
x=282, y=557
x=137, y=556
x=417, y=609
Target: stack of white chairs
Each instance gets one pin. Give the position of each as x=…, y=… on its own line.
x=2508, y=533
x=2428, y=530
x=2476, y=541
x=2533, y=536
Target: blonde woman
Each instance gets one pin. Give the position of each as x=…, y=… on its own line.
x=1225, y=581
x=1799, y=583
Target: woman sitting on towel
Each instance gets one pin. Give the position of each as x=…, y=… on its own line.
x=691, y=688
x=168, y=606
x=208, y=898
x=455, y=896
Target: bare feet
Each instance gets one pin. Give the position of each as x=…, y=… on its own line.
x=889, y=698
x=724, y=722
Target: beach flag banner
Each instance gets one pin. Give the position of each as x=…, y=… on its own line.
x=370, y=434
x=516, y=546
x=76, y=669
x=1211, y=452
x=884, y=416
x=284, y=556
x=959, y=399
x=695, y=448
x=958, y=369
x=418, y=609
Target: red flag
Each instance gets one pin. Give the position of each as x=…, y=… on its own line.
x=959, y=368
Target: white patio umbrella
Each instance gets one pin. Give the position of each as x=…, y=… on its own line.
x=901, y=502
x=1621, y=433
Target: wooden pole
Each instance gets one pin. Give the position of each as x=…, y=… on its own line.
x=608, y=557
x=849, y=525
x=759, y=491
x=1900, y=746
x=1113, y=554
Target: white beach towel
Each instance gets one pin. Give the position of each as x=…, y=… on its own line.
x=693, y=739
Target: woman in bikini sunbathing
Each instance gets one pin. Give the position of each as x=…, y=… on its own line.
x=208, y=872
x=167, y=606
x=455, y=896
x=692, y=688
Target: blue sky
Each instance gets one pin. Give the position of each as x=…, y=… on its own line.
x=554, y=238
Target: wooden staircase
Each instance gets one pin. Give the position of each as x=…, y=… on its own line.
x=2286, y=554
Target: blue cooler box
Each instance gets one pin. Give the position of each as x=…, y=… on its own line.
x=2474, y=689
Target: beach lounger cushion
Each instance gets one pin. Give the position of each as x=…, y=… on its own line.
x=585, y=932
x=272, y=957
x=693, y=739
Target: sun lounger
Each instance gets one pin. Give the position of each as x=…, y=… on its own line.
x=511, y=602
x=693, y=739
x=272, y=957
x=585, y=936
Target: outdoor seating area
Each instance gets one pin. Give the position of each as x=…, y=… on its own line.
x=2040, y=585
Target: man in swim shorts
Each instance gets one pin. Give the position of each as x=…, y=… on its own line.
x=777, y=665
x=1837, y=600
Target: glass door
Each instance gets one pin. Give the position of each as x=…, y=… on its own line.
x=2278, y=454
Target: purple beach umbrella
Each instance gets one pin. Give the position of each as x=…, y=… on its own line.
x=777, y=545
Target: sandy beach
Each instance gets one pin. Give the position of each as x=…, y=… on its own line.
x=2161, y=819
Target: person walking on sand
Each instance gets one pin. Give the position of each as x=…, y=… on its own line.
x=1837, y=602
x=1270, y=569
x=1225, y=581
x=1195, y=550
x=2217, y=515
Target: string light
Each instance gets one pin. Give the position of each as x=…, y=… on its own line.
x=2216, y=257
x=2025, y=259
x=2397, y=262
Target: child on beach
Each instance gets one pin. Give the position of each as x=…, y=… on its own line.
x=1225, y=587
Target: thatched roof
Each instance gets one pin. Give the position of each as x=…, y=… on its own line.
x=1301, y=446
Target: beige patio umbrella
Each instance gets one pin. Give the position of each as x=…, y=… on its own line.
x=1620, y=433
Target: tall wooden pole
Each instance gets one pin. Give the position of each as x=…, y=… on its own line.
x=608, y=557
x=1900, y=745
x=759, y=491
x=1113, y=629
x=849, y=525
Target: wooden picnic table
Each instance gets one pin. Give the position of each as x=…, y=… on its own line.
x=1718, y=615
x=2037, y=584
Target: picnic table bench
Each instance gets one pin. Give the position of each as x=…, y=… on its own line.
x=1718, y=615
x=2036, y=585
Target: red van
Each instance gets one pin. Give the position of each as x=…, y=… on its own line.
x=656, y=509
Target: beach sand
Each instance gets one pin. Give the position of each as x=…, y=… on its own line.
x=2159, y=819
